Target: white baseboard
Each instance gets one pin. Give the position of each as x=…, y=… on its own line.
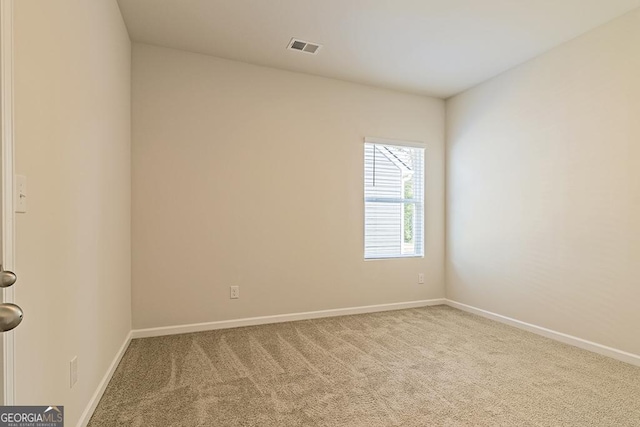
x=263, y=320
x=614, y=353
x=95, y=399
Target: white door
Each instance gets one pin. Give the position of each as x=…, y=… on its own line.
x=10, y=314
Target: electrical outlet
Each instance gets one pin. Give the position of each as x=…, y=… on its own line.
x=73, y=371
x=421, y=278
x=235, y=292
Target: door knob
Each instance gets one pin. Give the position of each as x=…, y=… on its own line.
x=7, y=278
x=10, y=316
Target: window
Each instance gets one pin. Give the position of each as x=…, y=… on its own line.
x=393, y=199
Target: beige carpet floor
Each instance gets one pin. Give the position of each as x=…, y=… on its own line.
x=433, y=366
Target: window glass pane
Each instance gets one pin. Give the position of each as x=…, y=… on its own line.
x=394, y=193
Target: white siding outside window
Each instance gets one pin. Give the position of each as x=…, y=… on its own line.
x=393, y=199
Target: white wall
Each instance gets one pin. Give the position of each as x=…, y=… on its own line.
x=72, y=109
x=544, y=189
x=251, y=176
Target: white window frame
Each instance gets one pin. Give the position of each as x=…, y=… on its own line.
x=399, y=143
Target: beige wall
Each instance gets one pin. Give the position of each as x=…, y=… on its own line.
x=544, y=189
x=72, y=109
x=251, y=176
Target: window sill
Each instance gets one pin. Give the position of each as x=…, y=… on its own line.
x=394, y=257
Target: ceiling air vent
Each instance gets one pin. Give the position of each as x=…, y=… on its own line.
x=303, y=46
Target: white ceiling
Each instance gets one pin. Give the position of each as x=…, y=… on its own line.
x=432, y=47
